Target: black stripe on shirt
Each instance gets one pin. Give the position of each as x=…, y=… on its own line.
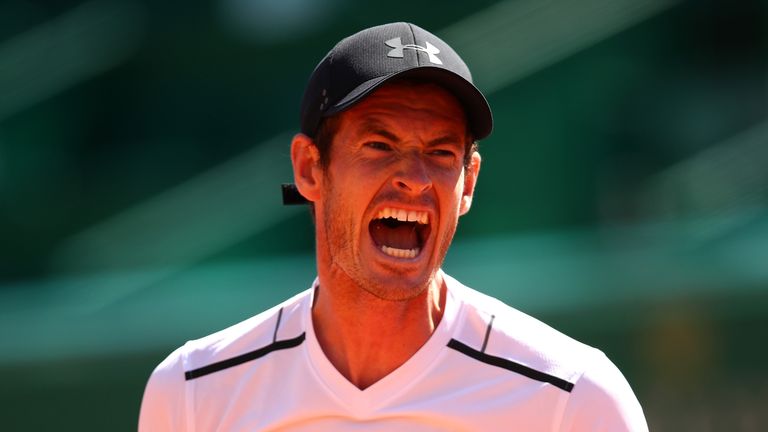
x=510, y=365
x=487, y=333
x=243, y=358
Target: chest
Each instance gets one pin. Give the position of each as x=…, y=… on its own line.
x=285, y=392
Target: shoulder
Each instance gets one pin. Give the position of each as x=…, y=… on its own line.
x=602, y=400
x=503, y=331
x=597, y=395
x=164, y=402
x=284, y=321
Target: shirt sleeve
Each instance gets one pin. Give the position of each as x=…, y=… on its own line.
x=602, y=400
x=163, y=407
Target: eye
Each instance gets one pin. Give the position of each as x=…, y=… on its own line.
x=442, y=153
x=378, y=145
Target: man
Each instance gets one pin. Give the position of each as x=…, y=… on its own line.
x=384, y=340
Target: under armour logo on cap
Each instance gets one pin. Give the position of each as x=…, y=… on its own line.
x=398, y=47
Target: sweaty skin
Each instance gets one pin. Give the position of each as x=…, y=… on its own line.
x=400, y=148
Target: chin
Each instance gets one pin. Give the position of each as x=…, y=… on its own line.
x=396, y=287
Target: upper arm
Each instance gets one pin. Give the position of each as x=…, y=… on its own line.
x=602, y=400
x=163, y=404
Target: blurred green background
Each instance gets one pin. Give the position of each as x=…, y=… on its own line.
x=623, y=197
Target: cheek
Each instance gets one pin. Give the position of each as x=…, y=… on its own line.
x=347, y=196
x=451, y=185
x=447, y=174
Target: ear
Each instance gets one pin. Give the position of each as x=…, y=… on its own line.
x=307, y=172
x=470, y=180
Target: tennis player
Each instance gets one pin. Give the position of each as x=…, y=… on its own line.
x=383, y=339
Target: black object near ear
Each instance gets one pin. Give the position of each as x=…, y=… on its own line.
x=291, y=195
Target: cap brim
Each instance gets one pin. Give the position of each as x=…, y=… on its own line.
x=475, y=105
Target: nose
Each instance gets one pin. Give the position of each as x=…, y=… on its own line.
x=412, y=176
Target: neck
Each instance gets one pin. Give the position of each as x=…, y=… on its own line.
x=365, y=337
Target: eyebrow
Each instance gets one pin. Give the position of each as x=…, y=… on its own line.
x=446, y=139
x=375, y=127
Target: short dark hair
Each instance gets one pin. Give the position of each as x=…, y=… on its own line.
x=326, y=132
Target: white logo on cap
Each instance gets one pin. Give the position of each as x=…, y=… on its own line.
x=398, y=47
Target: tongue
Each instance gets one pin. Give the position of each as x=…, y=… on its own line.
x=399, y=235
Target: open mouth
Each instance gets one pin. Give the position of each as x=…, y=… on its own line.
x=400, y=233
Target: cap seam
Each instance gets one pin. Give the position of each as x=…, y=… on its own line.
x=415, y=42
x=328, y=85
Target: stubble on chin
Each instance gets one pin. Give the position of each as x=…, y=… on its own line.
x=397, y=292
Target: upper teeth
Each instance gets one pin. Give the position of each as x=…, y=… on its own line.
x=403, y=215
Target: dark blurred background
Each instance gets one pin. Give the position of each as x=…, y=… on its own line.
x=623, y=197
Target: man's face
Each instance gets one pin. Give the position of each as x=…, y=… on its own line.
x=394, y=189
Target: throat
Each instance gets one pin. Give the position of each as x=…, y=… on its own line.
x=367, y=338
x=376, y=345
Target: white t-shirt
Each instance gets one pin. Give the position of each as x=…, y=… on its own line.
x=487, y=367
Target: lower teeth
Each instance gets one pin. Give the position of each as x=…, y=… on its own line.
x=400, y=253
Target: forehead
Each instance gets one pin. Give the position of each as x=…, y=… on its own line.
x=404, y=103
